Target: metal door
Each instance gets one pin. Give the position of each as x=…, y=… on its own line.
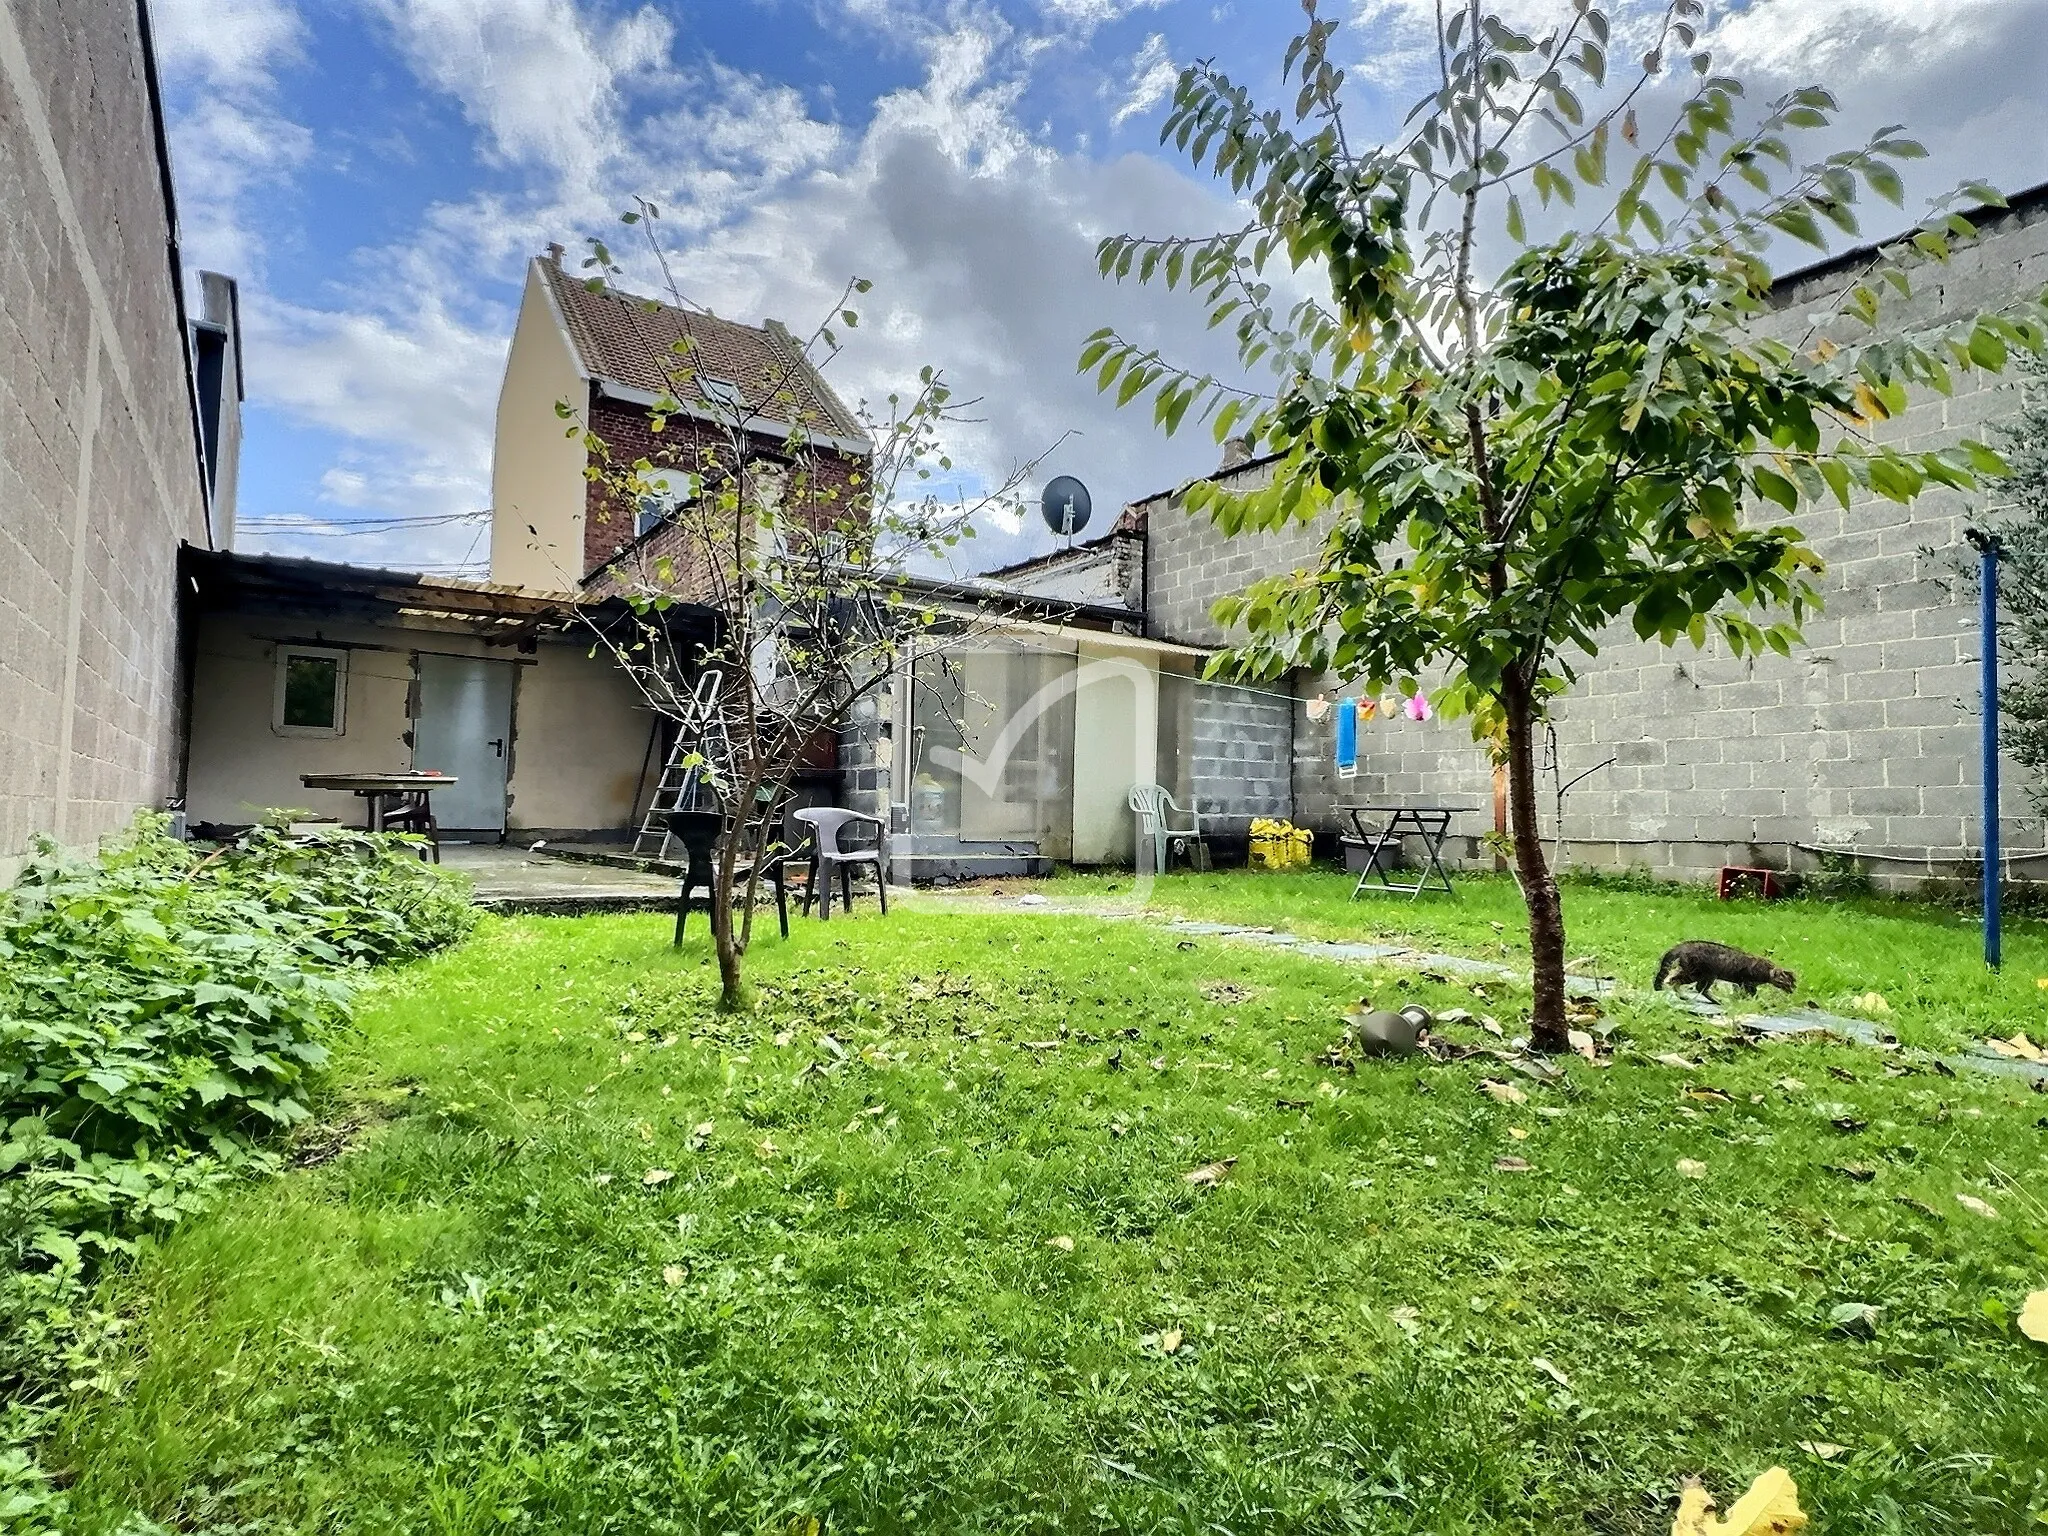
x=464, y=727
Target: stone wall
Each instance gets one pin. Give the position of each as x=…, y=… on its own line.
x=99, y=472
x=1866, y=739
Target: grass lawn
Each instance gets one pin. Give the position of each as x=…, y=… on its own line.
x=600, y=1260
x=1926, y=962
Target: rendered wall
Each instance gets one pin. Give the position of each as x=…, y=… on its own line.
x=99, y=476
x=1116, y=744
x=579, y=729
x=536, y=471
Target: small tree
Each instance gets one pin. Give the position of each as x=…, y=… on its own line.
x=787, y=570
x=1511, y=461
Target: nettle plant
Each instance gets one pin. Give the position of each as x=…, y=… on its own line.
x=1590, y=427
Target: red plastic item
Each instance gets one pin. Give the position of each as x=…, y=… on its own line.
x=1734, y=875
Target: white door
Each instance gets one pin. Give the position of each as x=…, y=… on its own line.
x=464, y=729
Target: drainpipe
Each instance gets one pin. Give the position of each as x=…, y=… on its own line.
x=1987, y=547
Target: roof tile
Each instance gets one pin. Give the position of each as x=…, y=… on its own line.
x=628, y=340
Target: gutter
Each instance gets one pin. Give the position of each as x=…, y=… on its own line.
x=153, y=86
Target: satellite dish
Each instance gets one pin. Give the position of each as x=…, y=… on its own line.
x=1065, y=505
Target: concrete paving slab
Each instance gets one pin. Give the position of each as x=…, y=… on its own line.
x=512, y=879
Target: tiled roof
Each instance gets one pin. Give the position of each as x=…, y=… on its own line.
x=628, y=340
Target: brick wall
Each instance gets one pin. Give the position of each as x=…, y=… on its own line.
x=98, y=471
x=688, y=445
x=1864, y=739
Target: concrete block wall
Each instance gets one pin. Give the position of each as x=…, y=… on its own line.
x=1190, y=562
x=1240, y=755
x=1864, y=739
x=99, y=473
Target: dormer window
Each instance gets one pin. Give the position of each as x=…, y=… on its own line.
x=667, y=490
x=725, y=394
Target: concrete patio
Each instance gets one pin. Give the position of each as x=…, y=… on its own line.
x=514, y=879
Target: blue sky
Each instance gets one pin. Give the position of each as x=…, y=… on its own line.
x=376, y=173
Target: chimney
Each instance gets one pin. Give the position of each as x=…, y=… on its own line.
x=1236, y=451
x=554, y=254
x=217, y=380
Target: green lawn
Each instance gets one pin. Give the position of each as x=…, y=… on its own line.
x=1927, y=963
x=597, y=1259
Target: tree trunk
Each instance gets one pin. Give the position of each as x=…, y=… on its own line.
x=1548, y=1027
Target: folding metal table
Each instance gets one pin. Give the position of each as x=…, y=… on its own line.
x=1431, y=823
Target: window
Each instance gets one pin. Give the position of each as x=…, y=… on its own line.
x=312, y=691
x=667, y=489
x=725, y=393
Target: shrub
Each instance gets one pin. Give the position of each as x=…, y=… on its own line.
x=161, y=1014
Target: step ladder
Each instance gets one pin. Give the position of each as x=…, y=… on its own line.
x=701, y=750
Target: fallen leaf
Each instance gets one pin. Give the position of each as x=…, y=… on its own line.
x=1064, y=1243
x=1825, y=1450
x=1973, y=1204
x=602, y=1179
x=1518, y=1133
x=1328, y=1089
x=1157, y=1063
x=1582, y=1042
x=1510, y=1165
x=1769, y=1508
x=1502, y=1093
x=2019, y=1048
x=1407, y=1319
x=1791, y=1085
x=1551, y=1111
x=700, y=1135
x=656, y=1176
x=1041, y=1045
x=1857, y=1171
x=765, y=1147
x=1211, y=1173
x=1169, y=1341
x=1848, y=1125
x=2034, y=1317
x=1873, y=1002
x=1673, y=1059
x=673, y=1274
x=1691, y=1169
x=1492, y=1027
x=1704, y=1095
x=1551, y=1371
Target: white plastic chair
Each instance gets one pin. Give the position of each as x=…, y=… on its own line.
x=1154, y=808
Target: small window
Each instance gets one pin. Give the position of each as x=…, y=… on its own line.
x=312, y=691
x=726, y=393
x=667, y=489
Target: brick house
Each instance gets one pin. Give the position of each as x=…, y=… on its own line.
x=1861, y=743
x=612, y=356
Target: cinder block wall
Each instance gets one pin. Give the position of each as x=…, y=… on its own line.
x=99, y=478
x=1865, y=739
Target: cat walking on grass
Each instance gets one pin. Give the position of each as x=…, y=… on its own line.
x=1701, y=962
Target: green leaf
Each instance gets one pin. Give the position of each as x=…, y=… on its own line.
x=1773, y=486
x=1517, y=230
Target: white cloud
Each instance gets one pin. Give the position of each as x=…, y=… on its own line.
x=1153, y=77
x=228, y=137
x=539, y=80
x=227, y=43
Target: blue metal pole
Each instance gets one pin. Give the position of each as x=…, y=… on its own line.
x=1989, y=584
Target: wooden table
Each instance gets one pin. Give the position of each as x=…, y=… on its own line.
x=1431, y=823
x=387, y=797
